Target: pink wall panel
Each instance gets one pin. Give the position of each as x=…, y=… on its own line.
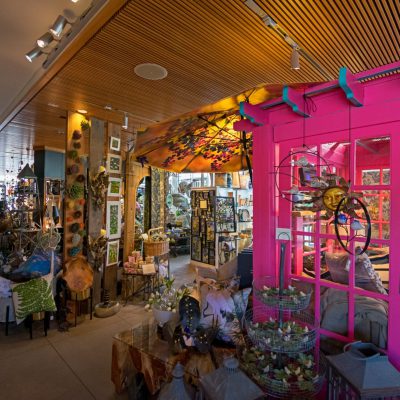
x=379, y=116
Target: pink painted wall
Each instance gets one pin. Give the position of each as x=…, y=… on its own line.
x=379, y=116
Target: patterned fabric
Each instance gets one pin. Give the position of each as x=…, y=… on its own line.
x=220, y=306
x=33, y=296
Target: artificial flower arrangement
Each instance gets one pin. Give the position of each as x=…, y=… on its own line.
x=291, y=298
x=292, y=336
x=299, y=374
x=168, y=299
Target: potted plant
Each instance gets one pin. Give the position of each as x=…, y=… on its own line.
x=164, y=304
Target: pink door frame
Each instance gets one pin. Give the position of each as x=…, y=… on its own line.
x=379, y=116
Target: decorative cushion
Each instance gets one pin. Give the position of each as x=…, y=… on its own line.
x=33, y=296
x=220, y=306
x=366, y=277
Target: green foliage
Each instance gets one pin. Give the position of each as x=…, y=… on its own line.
x=34, y=296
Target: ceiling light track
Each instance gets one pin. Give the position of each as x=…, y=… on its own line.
x=296, y=49
x=76, y=27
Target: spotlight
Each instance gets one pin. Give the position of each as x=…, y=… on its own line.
x=36, y=52
x=45, y=40
x=295, y=59
x=125, y=124
x=59, y=26
x=74, y=1
x=81, y=111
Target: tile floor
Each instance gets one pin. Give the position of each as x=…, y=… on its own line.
x=73, y=365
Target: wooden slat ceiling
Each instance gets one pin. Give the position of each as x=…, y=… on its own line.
x=212, y=49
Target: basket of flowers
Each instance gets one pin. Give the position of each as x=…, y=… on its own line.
x=280, y=331
x=156, y=242
x=282, y=376
x=165, y=303
x=289, y=298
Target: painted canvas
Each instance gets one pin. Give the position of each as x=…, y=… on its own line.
x=113, y=219
x=115, y=143
x=112, y=252
x=114, y=163
x=114, y=187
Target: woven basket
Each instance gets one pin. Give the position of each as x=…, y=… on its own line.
x=156, y=248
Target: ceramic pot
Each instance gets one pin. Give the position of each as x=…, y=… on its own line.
x=162, y=317
x=104, y=310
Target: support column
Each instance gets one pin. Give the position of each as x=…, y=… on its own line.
x=96, y=214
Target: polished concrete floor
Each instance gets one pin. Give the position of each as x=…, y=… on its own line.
x=73, y=365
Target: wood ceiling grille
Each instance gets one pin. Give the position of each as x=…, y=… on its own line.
x=212, y=49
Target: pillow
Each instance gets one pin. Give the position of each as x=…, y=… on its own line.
x=33, y=296
x=366, y=277
x=219, y=306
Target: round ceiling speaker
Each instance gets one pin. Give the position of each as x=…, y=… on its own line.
x=153, y=72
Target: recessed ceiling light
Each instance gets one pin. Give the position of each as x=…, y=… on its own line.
x=82, y=111
x=153, y=72
x=53, y=105
x=108, y=107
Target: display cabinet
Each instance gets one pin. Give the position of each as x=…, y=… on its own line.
x=221, y=224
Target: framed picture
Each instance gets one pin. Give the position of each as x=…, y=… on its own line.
x=113, y=220
x=114, y=186
x=225, y=214
x=203, y=204
x=115, y=143
x=112, y=252
x=114, y=163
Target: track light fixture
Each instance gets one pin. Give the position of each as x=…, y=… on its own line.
x=59, y=26
x=297, y=50
x=45, y=40
x=36, y=52
x=295, y=59
x=125, y=124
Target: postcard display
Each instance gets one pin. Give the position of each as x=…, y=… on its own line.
x=213, y=219
x=203, y=226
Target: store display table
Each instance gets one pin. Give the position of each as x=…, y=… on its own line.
x=140, y=350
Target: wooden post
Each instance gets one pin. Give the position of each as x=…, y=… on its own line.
x=134, y=173
x=74, y=168
x=95, y=214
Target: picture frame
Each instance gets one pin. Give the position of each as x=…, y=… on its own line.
x=203, y=204
x=225, y=220
x=115, y=143
x=114, y=186
x=112, y=252
x=114, y=163
x=113, y=220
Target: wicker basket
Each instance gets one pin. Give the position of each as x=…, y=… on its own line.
x=157, y=248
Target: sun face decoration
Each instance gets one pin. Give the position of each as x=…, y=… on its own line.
x=331, y=197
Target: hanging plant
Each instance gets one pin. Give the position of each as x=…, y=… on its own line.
x=76, y=135
x=85, y=124
x=97, y=248
x=98, y=187
x=75, y=191
x=72, y=154
x=77, y=145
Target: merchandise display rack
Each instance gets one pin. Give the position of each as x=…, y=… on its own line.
x=282, y=357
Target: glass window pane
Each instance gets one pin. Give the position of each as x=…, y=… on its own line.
x=303, y=255
x=378, y=206
x=373, y=161
x=371, y=320
x=372, y=268
x=334, y=310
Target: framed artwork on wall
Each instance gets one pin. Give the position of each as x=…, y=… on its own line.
x=114, y=163
x=115, y=143
x=113, y=220
x=225, y=214
x=112, y=252
x=114, y=186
